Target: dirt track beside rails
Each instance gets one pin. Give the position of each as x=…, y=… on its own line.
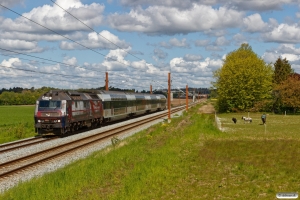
x=178, y=102
x=207, y=109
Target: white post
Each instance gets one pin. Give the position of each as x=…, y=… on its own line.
x=265, y=128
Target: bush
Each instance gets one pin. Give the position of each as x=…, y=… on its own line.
x=263, y=106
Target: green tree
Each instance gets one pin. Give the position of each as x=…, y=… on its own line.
x=282, y=69
x=289, y=92
x=243, y=80
x=7, y=98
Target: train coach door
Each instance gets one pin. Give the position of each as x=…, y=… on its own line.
x=112, y=108
x=69, y=111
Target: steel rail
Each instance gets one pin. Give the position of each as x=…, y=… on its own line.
x=21, y=144
x=18, y=142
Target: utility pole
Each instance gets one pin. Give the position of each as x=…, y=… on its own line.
x=169, y=97
x=186, y=98
x=106, y=81
x=150, y=89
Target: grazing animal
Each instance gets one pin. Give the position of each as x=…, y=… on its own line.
x=234, y=120
x=264, y=118
x=247, y=119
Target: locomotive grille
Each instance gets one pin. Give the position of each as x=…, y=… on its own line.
x=50, y=114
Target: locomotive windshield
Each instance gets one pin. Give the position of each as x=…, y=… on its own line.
x=49, y=104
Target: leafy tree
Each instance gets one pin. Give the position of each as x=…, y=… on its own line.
x=243, y=80
x=282, y=69
x=289, y=91
x=7, y=98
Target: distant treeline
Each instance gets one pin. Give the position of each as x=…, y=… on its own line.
x=21, y=96
x=25, y=96
x=14, y=89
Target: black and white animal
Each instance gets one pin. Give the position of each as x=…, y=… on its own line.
x=234, y=120
x=247, y=119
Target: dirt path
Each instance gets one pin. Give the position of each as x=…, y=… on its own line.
x=207, y=109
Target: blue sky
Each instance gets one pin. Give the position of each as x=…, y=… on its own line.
x=138, y=42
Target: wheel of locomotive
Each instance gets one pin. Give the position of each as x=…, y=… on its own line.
x=63, y=131
x=99, y=123
x=94, y=124
x=76, y=127
x=72, y=128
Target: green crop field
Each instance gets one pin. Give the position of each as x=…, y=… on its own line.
x=188, y=158
x=16, y=122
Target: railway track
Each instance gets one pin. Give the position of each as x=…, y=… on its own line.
x=28, y=162
x=23, y=143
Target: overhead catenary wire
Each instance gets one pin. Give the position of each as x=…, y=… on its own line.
x=52, y=82
x=42, y=72
x=57, y=62
x=37, y=77
x=95, y=31
x=69, y=38
x=59, y=34
x=112, y=58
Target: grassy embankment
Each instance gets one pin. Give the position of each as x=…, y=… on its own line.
x=186, y=159
x=16, y=122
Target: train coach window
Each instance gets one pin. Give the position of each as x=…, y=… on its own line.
x=106, y=105
x=118, y=104
x=123, y=103
x=130, y=103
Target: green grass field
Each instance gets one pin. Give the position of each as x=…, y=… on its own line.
x=276, y=126
x=16, y=122
x=186, y=159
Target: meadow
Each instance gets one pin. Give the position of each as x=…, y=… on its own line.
x=16, y=122
x=189, y=158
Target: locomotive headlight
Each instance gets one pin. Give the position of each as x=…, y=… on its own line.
x=39, y=121
x=58, y=120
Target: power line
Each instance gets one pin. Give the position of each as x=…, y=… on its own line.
x=44, y=59
x=65, y=36
x=95, y=31
x=59, y=34
x=16, y=75
x=41, y=72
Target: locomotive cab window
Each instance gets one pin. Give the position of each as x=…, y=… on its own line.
x=50, y=104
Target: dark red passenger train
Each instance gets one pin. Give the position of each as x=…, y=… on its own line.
x=58, y=112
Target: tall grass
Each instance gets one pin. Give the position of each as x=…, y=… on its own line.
x=16, y=122
x=186, y=159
